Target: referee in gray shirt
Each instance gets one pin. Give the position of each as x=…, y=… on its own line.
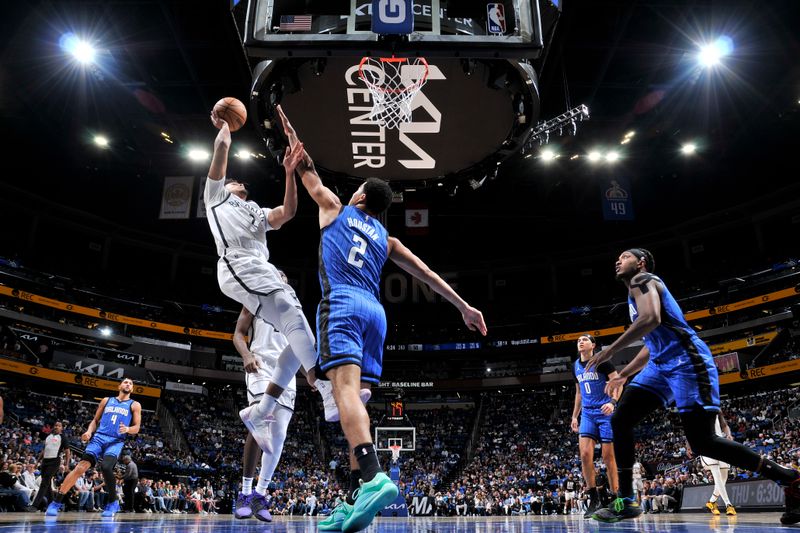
x=54, y=445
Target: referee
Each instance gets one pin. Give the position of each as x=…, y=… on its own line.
x=54, y=445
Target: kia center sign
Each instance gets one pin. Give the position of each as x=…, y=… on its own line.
x=468, y=117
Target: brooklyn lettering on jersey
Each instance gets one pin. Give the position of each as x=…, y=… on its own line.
x=368, y=230
x=254, y=210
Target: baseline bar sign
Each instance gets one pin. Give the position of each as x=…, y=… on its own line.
x=760, y=493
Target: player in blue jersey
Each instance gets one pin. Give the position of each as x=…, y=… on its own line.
x=595, y=408
x=351, y=323
x=675, y=366
x=116, y=417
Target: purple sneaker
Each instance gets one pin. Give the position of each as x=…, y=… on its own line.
x=259, y=505
x=244, y=505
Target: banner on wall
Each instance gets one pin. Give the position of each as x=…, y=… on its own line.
x=176, y=198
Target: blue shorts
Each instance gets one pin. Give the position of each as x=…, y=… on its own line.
x=596, y=425
x=351, y=329
x=101, y=445
x=692, y=383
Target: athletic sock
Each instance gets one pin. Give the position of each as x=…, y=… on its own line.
x=367, y=459
x=247, y=486
x=355, y=478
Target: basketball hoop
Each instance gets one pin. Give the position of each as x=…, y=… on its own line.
x=393, y=82
x=395, y=452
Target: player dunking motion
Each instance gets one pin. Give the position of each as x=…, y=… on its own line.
x=245, y=274
x=719, y=471
x=351, y=323
x=675, y=365
x=595, y=407
x=260, y=358
x=116, y=416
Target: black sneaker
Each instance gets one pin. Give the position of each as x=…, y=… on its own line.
x=792, y=500
x=592, y=507
x=619, y=509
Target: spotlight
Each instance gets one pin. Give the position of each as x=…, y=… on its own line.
x=595, y=156
x=688, y=149
x=612, y=156
x=711, y=54
x=81, y=50
x=198, y=155
x=244, y=154
x=488, y=369
x=105, y=331
x=548, y=155
x=101, y=141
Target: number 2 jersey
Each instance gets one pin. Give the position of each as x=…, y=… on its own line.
x=593, y=383
x=353, y=250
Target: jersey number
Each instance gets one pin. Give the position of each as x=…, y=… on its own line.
x=586, y=386
x=114, y=419
x=359, y=249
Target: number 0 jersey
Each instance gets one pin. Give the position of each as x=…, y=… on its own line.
x=353, y=250
x=593, y=383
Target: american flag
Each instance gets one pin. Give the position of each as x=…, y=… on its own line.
x=295, y=23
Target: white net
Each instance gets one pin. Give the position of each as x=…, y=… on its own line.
x=393, y=82
x=395, y=453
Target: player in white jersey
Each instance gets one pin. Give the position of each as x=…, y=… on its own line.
x=259, y=358
x=719, y=470
x=638, y=484
x=244, y=273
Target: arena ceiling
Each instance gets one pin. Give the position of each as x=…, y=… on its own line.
x=161, y=66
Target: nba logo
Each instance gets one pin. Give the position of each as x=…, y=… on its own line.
x=496, y=18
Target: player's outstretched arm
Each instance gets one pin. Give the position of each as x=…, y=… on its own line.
x=405, y=259
x=329, y=204
x=243, y=324
x=282, y=214
x=136, y=420
x=219, y=161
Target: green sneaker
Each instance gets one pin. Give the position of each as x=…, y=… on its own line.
x=372, y=497
x=334, y=521
x=620, y=509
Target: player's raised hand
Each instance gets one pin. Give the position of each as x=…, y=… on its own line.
x=613, y=385
x=294, y=156
x=224, y=135
x=288, y=129
x=86, y=437
x=474, y=320
x=251, y=364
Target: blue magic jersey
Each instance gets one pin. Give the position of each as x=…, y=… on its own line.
x=673, y=338
x=353, y=249
x=114, y=414
x=593, y=383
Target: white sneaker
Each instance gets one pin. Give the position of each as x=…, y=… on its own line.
x=258, y=427
x=325, y=389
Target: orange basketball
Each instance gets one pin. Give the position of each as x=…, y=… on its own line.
x=231, y=111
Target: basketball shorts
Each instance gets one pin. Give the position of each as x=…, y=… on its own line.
x=101, y=445
x=638, y=485
x=351, y=329
x=596, y=426
x=247, y=277
x=690, y=385
x=256, y=384
x=708, y=461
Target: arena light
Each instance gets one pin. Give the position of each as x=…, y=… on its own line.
x=198, y=155
x=710, y=55
x=612, y=156
x=244, y=154
x=105, y=331
x=488, y=369
x=689, y=149
x=548, y=155
x=101, y=141
x=81, y=50
x=595, y=156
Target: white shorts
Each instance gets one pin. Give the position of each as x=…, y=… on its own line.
x=247, y=277
x=569, y=496
x=638, y=485
x=257, y=386
x=708, y=461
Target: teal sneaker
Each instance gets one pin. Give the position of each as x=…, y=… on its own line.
x=334, y=521
x=372, y=497
x=620, y=509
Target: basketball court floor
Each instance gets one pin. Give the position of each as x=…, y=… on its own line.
x=90, y=523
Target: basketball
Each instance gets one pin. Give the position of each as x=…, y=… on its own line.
x=232, y=111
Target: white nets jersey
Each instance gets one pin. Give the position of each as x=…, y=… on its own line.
x=235, y=223
x=637, y=470
x=267, y=344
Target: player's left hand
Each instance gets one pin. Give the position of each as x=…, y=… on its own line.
x=599, y=357
x=607, y=408
x=614, y=384
x=293, y=156
x=123, y=429
x=288, y=129
x=474, y=320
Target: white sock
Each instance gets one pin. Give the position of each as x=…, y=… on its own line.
x=265, y=406
x=247, y=486
x=261, y=488
x=713, y=498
